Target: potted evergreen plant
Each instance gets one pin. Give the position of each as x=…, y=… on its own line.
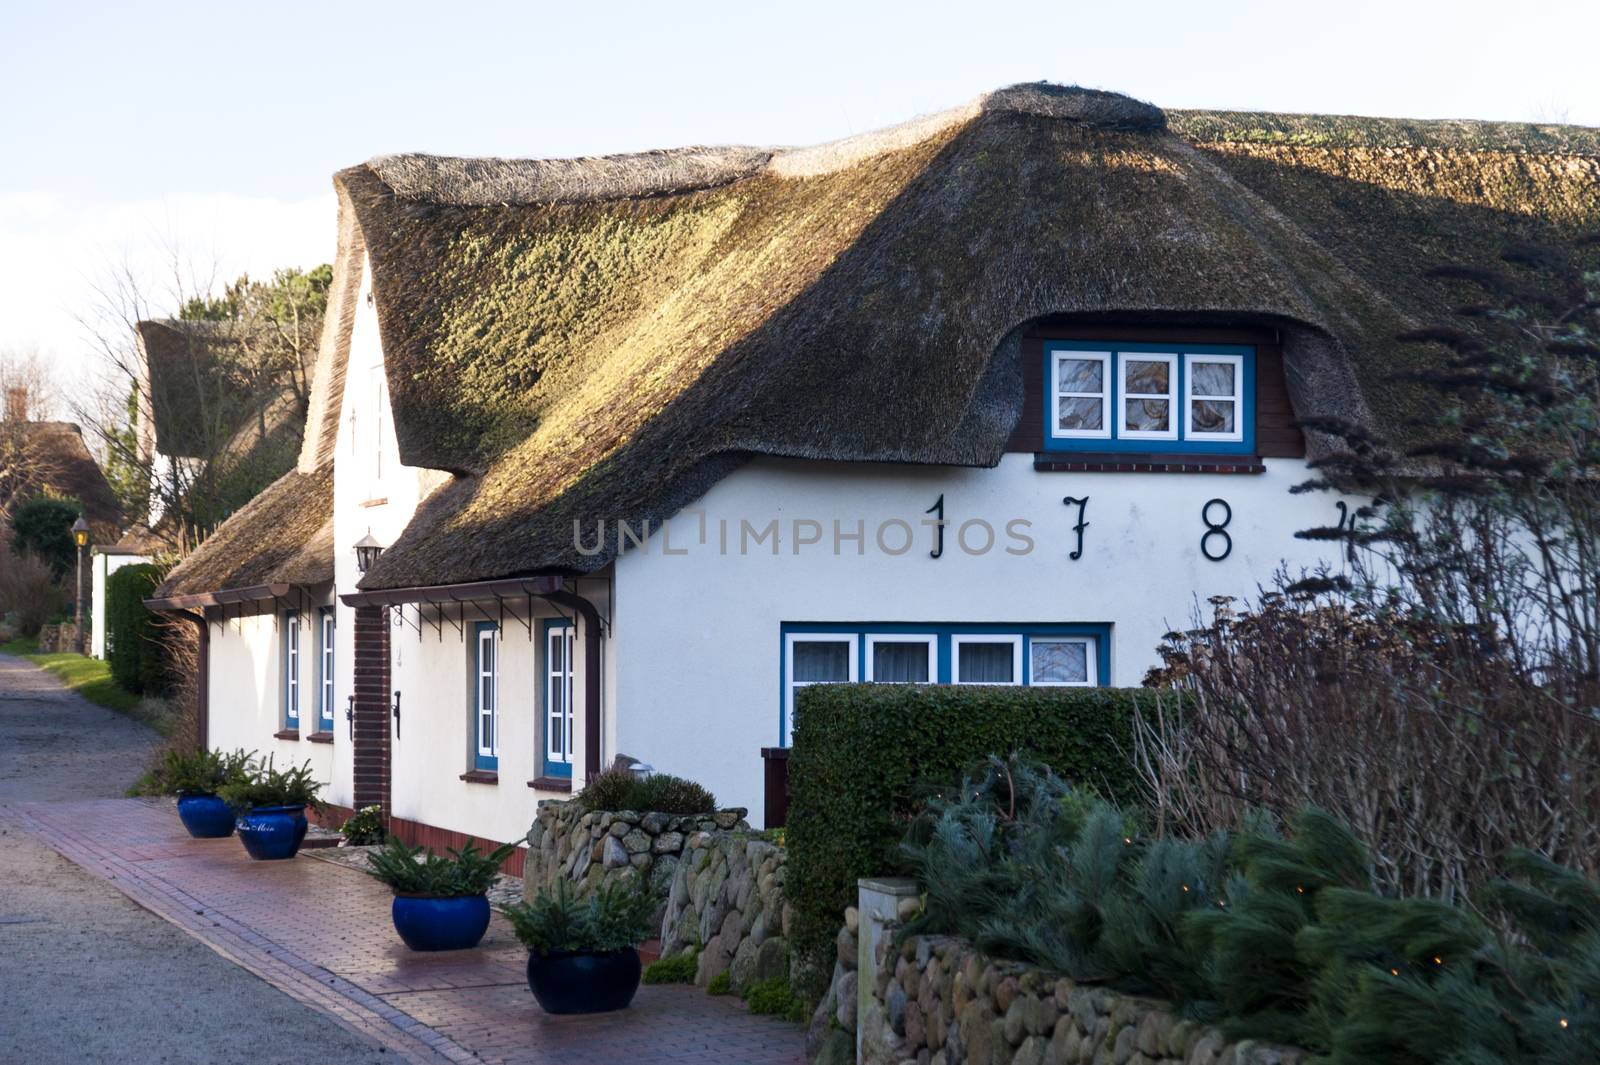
x=440, y=903
x=581, y=956
x=270, y=805
x=195, y=777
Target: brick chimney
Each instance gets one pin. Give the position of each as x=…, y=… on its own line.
x=17, y=403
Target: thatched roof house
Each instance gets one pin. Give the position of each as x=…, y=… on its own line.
x=590, y=338
x=202, y=404
x=605, y=338
x=52, y=458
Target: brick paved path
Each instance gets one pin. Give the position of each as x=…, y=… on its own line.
x=322, y=934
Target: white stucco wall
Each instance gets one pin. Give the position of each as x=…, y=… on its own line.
x=434, y=674
x=697, y=643
x=101, y=570
x=246, y=695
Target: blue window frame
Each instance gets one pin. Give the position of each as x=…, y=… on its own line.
x=486, y=696
x=1030, y=654
x=1111, y=396
x=325, y=673
x=557, y=759
x=291, y=669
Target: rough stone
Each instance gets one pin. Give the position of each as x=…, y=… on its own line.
x=667, y=843
x=916, y=1032
x=845, y=1007
x=846, y=947
x=1005, y=992
x=907, y=908
x=852, y=919
x=636, y=842
x=895, y=1004
x=655, y=822
x=726, y=819
x=742, y=970
x=1031, y=1052
x=620, y=828
x=614, y=855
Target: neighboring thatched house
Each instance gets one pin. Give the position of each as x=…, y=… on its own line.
x=219, y=424
x=990, y=397
x=51, y=458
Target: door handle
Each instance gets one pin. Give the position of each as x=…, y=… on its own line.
x=396, y=715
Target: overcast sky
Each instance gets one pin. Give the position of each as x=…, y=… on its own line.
x=132, y=130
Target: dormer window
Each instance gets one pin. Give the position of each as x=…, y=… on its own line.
x=1149, y=397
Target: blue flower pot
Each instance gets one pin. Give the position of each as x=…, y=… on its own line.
x=584, y=982
x=271, y=833
x=441, y=924
x=205, y=816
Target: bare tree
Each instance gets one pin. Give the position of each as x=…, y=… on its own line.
x=29, y=396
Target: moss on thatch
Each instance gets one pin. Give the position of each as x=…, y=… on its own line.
x=284, y=535
x=603, y=338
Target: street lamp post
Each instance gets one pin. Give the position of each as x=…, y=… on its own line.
x=80, y=536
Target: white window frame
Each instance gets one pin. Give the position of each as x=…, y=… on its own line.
x=792, y=686
x=1091, y=659
x=492, y=750
x=1104, y=395
x=291, y=669
x=563, y=677
x=875, y=638
x=1123, y=396
x=959, y=639
x=1189, y=396
x=325, y=680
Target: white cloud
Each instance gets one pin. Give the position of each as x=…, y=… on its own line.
x=55, y=252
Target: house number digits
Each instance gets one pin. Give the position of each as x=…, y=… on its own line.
x=1082, y=525
x=1216, y=528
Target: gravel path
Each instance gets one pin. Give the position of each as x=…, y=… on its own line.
x=87, y=976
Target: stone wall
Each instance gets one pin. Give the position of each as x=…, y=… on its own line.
x=59, y=639
x=937, y=1001
x=727, y=899
x=592, y=848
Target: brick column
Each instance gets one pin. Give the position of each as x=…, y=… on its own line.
x=373, y=700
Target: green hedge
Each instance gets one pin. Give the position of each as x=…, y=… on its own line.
x=865, y=755
x=133, y=640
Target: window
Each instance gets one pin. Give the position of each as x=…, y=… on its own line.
x=1216, y=394
x=291, y=669
x=987, y=659
x=1063, y=661
x=486, y=697
x=1147, y=397
x=325, y=669
x=1081, y=385
x=901, y=659
x=816, y=658
x=1068, y=654
x=558, y=697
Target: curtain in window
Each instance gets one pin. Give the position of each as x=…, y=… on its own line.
x=902, y=663
x=985, y=663
x=821, y=662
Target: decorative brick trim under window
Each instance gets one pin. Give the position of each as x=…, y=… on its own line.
x=481, y=776
x=320, y=737
x=1095, y=462
x=286, y=734
x=551, y=783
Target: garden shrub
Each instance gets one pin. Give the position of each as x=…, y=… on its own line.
x=364, y=827
x=676, y=969
x=775, y=997
x=864, y=756
x=720, y=984
x=620, y=788
x=134, y=636
x=1269, y=933
x=42, y=527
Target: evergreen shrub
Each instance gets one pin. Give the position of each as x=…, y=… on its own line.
x=620, y=788
x=1271, y=932
x=866, y=756
x=134, y=638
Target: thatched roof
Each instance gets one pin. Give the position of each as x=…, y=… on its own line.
x=200, y=408
x=282, y=536
x=52, y=458
x=603, y=338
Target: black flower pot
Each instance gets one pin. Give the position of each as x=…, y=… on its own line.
x=584, y=981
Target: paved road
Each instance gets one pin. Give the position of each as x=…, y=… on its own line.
x=86, y=975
